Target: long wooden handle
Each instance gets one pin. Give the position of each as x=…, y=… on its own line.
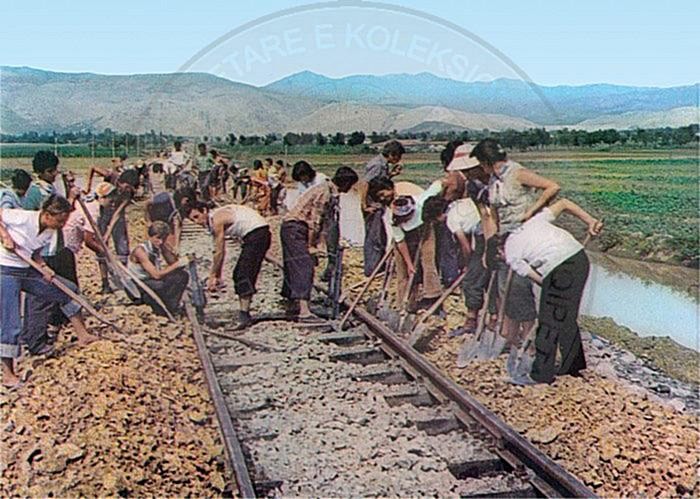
x=115, y=217
x=416, y=259
x=366, y=286
x=145, y=288
x=485, y=309
x=445, y=294
x=73, y=295
x=112, y=261
x=502, y=308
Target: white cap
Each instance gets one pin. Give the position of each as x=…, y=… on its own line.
x=461, y=159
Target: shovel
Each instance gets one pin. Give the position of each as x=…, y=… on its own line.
x=77, y=297
x=364, y=288
x=129, y=281
x=470, y=348
x=395, y=320
x=124, y=280
x=493, y=342
x=379, y=304
x=419, y=328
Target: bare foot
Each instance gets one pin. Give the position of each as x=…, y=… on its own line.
x=10, y=381
x=86, y=339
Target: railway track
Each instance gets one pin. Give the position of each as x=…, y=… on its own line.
x=312, y=411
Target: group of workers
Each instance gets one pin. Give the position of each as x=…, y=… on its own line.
x=488, y=220
x=491, y=219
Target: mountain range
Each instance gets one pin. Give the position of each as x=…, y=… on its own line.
x=204, y=104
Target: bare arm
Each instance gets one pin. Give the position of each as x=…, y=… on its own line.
x=594, y=226
x=92, y=243
x=93, y=171
x=139, y=256
x=549, y=190
x=362, y=187
x=489, y=220
x=219, y=250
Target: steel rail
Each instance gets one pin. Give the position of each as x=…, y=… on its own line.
x=548, y=477
x=234, y=451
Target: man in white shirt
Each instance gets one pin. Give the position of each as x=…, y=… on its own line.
x=28, y=232
x=552, y=258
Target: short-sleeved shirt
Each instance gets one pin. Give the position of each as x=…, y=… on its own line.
x=416, y=219
x=78, y=224
x=23, y=226
x=539, y=245
x=10, y=200
x=203, y=163
x=376, y=167
x=464, y=217
x=38, y=192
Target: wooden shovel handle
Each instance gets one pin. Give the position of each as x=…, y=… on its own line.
x=365, y=287
x=445, y=294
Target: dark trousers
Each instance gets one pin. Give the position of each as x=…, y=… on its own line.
x=477, y=278
x=298, y=264
x=375, y=240
x=40, y=312
x=520, y=304
x=332, y=237
x=170, y=181
x=448, y=251
x=169, y=289
x=557, y=326
x=245, y=273
x=204, y=180
x=274, y=198
x=120, y=237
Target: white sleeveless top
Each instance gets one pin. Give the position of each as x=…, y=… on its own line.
x=245, y=220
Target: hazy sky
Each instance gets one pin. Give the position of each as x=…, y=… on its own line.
x=554, y=42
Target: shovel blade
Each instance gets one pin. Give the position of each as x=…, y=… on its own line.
x=494, y=348
x=406, y=327
x=468, y=351
x=389, y=316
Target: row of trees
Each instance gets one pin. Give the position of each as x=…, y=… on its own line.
x=512, y=139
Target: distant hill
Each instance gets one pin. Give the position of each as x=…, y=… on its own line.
x=180, y=104
x=203, y=104
x=681, y=116
x=349, y=116
x=540, y=104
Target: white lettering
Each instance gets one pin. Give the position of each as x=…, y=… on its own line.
x=324, y=40
x=292, y=39
x=354, y=35
x=383, y=33
x=250, y=56
x=271, y=44
x=394, y=42
x=458, y=67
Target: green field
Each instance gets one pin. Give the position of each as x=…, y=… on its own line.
x=648, y=199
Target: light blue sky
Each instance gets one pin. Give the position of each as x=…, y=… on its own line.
x=554, y=42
